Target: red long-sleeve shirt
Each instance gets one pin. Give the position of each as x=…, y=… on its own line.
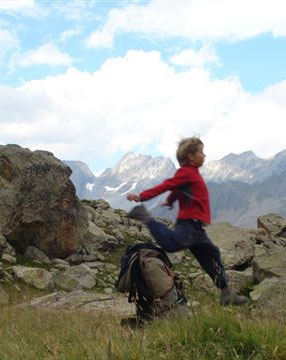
x=187, y=180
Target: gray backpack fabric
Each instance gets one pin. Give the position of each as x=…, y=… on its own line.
x=146, y=275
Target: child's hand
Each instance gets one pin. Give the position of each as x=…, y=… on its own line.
x=133, y=197
x=165, y=203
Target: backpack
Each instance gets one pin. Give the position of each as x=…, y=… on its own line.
x=146, y=275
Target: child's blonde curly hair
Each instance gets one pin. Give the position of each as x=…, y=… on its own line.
x=187, y=146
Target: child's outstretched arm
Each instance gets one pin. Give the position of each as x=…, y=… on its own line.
x=133, y=197
x=169, y=201
x=181, y=177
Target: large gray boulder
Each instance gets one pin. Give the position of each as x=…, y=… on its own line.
x=39, y=206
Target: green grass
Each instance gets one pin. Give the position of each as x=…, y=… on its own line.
x=210, y=333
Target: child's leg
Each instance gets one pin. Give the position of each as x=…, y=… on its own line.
x=208, y=255
x=166, y=238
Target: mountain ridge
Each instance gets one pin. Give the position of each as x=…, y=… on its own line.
x=239, y=184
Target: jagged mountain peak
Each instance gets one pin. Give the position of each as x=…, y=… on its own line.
x=134, y=166
x=129, y=160
x=246, y=155
x=130, y=155
x=279, y=155
x=240, y=167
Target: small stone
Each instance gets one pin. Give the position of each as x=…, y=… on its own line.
x=59, y=261
x=108, y=291
x=9, y=259
x=109, y=266
x=37, y=254
x=94, y=264
x=61, y=266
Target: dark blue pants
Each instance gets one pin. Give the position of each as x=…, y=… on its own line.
x=189, y=234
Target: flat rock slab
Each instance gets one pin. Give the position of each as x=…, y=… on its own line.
x=83, y=301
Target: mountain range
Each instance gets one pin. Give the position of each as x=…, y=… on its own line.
x=242, y=186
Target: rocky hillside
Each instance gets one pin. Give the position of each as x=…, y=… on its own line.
x=254, y=259
x=40, y=217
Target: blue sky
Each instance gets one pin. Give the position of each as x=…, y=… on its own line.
x=90, y=80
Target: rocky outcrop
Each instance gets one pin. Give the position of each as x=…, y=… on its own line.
x=38, y=202
x=274, y=225
x=109, y=229
x=254, y=261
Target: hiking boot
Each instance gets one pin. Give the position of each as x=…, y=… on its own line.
x=140, y=213
x=232, y=299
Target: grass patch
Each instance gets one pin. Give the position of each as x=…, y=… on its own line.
x=20, y=292
x=26, y=261
x=212, y=333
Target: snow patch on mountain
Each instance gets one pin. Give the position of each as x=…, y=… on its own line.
x=108, y=188
x=133, y=187
x=89, y=186
x=98, y=173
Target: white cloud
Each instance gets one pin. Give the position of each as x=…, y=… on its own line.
x=190, y=57
x=74, y=10
x=100, y=39
x=258, y=125
x=47, y=54
x=205, y=20
x=16, y=4
x=8, y=41
x=138, y=102
x=68, y=34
